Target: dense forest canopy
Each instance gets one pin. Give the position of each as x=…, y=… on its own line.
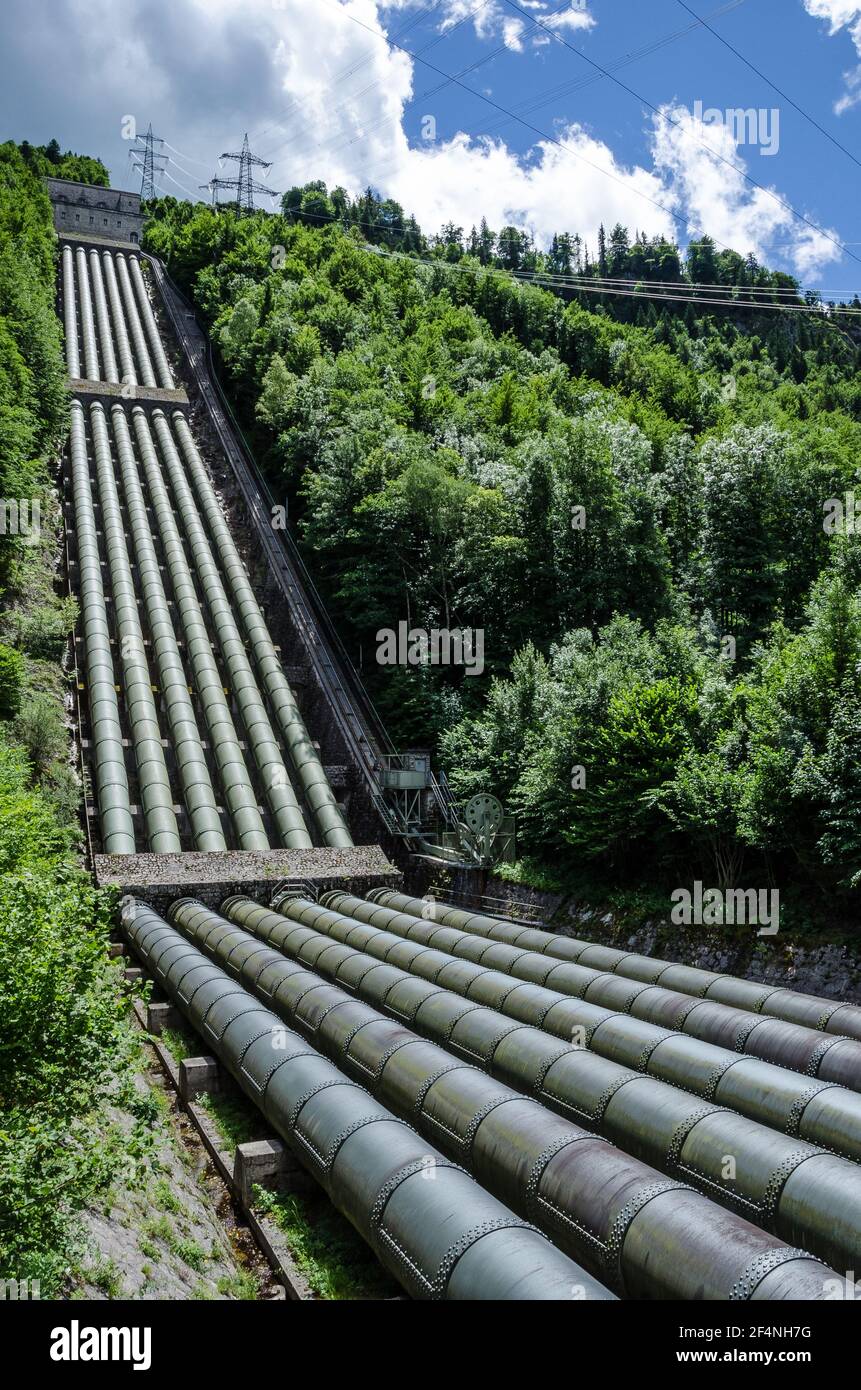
x=66, y=1053
x=626, y=495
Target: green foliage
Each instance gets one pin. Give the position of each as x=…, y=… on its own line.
x=11, y=680
x=66, y=1052
x=625, y=495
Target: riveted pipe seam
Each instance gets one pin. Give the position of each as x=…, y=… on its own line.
x=808, y=1010
x=155, y=790
x=112, y=787
x=448, y=1239
x=236, y=784
x=787, y=1045
x=770, y=1094
x=300, y=749
x=258, y=730
x=655, y=1123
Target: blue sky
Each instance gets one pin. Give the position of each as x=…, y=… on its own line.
x=322, y=95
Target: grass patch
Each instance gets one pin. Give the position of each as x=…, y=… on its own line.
x=179, y=1043
x=243, y=1285
x=105, y=1277
x=332, y=1256
x=163, y=1196
x=236, y=1120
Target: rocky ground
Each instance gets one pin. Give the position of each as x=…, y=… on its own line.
x=173, y=1235
x=829, y=969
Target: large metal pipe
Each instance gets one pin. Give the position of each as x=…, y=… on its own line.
x=153, y=780
x=120, y=334
x=290, y=823
x=88, y=326
x=197, y=792
x=112, y=787
x=239, y=794
x=443, y=1238
x=70, y=316
x=789, y=1045
x=145, y=368
x=775, y=1001
x=159, y=355
x=106, y=337
x=821, y=1112
x=803, y=1194
x=301, y=751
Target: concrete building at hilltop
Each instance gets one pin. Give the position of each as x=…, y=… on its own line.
x=84, y=209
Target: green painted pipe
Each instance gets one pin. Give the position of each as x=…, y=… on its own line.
x=112, y=786
x=801, y=1193
x=236, y=784
x=197, y=792
x=773, y=1001
x=153, y=781
x=135, y=327
x=818, y=1111
x=830, y=1058
x=120, y=337
x=159, y=356
x=586, y=1193
x=292, y=831
x=88, y=326
x=106, y=339
x=70, y=318
x=439, y=1233
x=301, y=751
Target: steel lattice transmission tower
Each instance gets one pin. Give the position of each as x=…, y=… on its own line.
x=245, y=183
x=149, y=161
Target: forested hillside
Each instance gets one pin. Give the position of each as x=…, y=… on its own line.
x=65, y=1049
x=627, y=495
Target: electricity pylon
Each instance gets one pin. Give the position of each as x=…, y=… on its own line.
x=148, y=161
x=245, y=183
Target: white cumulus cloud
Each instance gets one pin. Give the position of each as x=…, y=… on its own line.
x=842, y=14
x=324, y=96
x=718, y=200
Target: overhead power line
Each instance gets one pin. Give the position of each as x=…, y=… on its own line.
x=688, y=292
x=560, y=144
x=773, y=85
x=440, y=38
x=333, y=146
x=536, y=130
x=670, y=120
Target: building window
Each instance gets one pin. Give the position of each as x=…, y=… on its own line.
x=105, y=220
